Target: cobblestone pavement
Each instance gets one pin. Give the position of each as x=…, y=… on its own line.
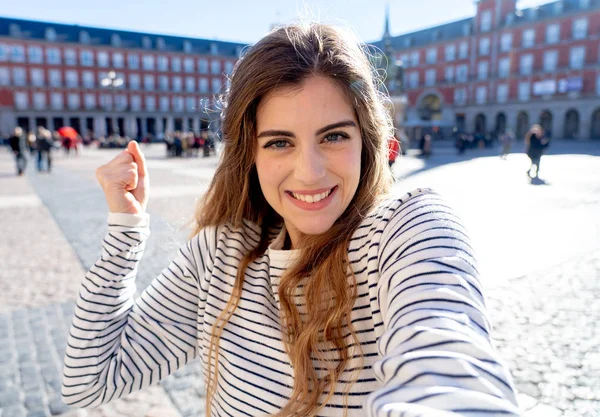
x=544, y=307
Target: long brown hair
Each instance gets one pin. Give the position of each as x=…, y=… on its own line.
x=322, y=277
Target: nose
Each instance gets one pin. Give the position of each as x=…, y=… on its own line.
x=310, y=166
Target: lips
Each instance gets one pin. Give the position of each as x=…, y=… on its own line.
x=312, y=200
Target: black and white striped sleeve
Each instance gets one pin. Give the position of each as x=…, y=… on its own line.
x=117, y=344
x=437, y=356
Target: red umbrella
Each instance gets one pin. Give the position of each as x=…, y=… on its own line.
x=68, y=132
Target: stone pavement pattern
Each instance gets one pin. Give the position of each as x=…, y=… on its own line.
x=540, y=327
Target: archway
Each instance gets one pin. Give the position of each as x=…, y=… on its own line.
x=595, y=130
x=546, y=122
x=430, y=108
x=571, y=124
x=500, y=123
x=522, y=124
x=480, y=123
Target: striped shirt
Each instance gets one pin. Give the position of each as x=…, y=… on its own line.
x=419, y=315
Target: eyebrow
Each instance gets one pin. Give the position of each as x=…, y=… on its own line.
x=286, y=133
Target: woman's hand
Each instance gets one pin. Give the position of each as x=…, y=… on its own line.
x=125, y=181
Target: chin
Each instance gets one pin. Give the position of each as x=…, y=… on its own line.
x=314, y=227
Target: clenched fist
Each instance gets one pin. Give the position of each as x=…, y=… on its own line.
x=125, y=181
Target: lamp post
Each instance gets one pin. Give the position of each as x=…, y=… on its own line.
x=113, y=82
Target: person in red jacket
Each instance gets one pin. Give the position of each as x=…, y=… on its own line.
x=393, y=150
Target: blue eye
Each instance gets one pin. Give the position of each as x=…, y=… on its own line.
x=336, y=137
x=277, y=144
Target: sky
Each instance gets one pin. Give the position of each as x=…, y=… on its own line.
x=244, y=21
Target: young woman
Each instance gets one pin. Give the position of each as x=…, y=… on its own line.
x=305, y=290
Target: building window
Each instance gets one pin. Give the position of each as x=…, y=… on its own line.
x=4, y=76
x=164, y=104
x=87, y=79
x=56, y=101
x=133, y=61
x=413, y=79
x=449, y=74
x=149, y=82
x=482, y=70
x=215, y=67
x=136, y=103
x=177, y=84
x=121, y=102
x=50, y=34
x=502, y=93
x=146, y=42
x=580, y=28
x=203, y=85
x=506, y=42
x=178, y=104
x=190, y=104
x=214, y=49
x=559, y=7
x=462, y=73
x=134, y=81
x=430, y=76
x=466, y=29
x=150, y=103
x=228, y=67
x=53, y=56
x=528, y=38
x=450, y=52
x=584, y=4
x=102, y=57
x=162, y=63
x=188, y=65
x=524, y=91
x=84, y=37
x=160, y=44
x=460, y=96
x=190, y=84
x=481, y=95
x=118, y=60
x=431, y=56
x=504, y=67
x=73, y=101
x=72, y=79
x=35, y=54
x=203, y=66
x=37, y=77
x=115, y=40
x=55, y=78
x=86, y=58
x=552, y=33
x=550, y=61
x=163, y=83
x=405, y=60
x=3, y=52
x=19, y=76
x=21, y=100
x=176, y=64
x=526, y=66
x=486, y=21
x=89, y=101
x=414, y=59
x=216, y=85
x=577, y=57
x=148, y=62
x=17, y=53
x=463, y=50
x=484, y=46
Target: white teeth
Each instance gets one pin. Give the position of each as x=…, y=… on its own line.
x=312, y=198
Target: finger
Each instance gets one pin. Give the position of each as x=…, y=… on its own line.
x=138, y=157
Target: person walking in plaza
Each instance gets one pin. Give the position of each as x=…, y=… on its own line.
x=535, y=145
x=506, y=140
x=44, y=145
x=18, y=145
x=307, y=288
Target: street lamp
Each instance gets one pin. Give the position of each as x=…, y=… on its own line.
x=111, y=80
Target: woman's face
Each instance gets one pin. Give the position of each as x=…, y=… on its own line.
x=308, y=154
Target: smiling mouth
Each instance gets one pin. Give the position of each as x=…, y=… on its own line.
x=311, y=198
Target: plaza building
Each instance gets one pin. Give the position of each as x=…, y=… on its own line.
x=104, y=81
x=505, y=68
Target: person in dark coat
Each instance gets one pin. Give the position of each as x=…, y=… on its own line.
x=44, y=144
x=18, y=144
x=536, y=143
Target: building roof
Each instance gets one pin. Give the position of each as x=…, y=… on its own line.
x=37, y=30
x=464, y=27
